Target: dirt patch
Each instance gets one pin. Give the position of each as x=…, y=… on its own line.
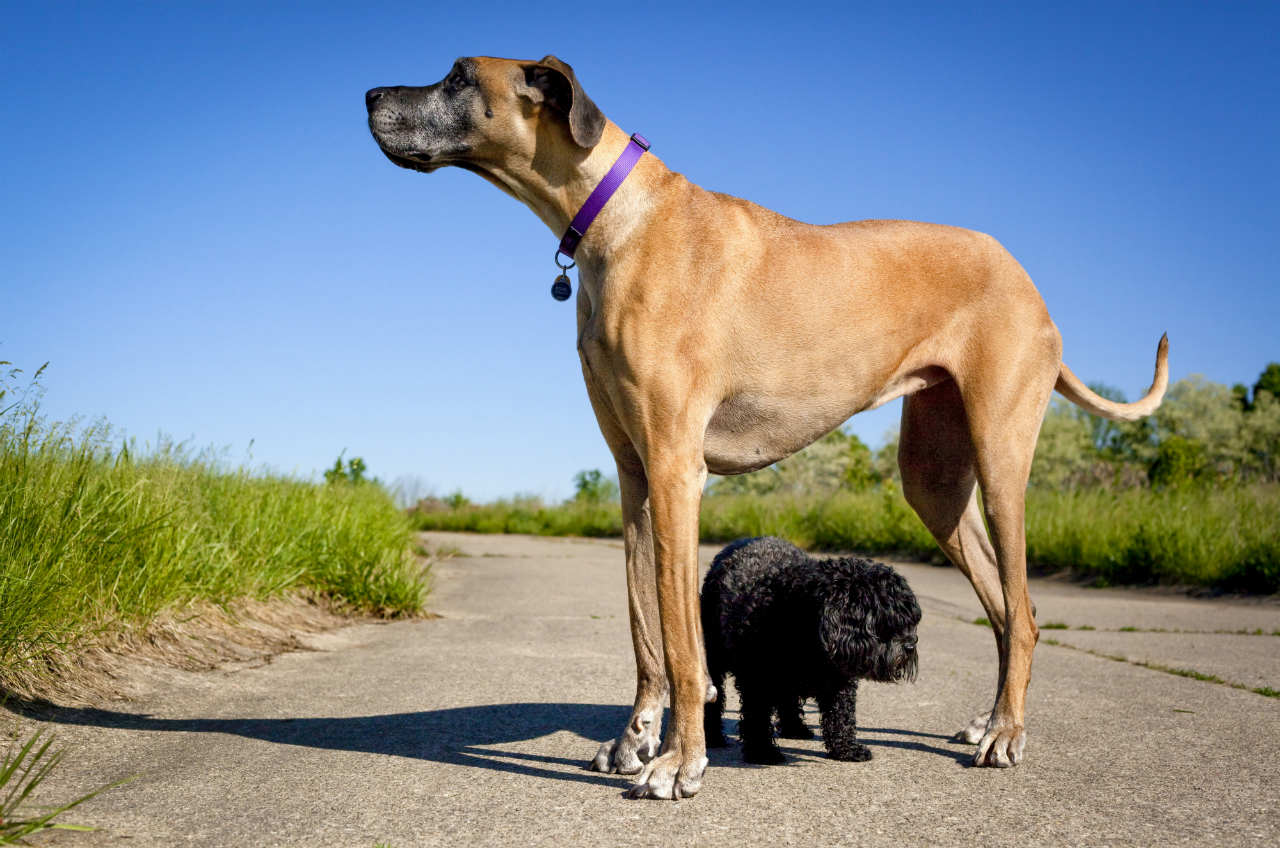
x=200, y=636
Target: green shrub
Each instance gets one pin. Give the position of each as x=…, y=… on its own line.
x=1179, y=462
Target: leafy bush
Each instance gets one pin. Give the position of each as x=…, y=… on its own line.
x=1178, y=463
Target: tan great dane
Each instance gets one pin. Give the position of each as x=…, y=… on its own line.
x=718, y=336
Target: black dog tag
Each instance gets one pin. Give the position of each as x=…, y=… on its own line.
x=561, y=289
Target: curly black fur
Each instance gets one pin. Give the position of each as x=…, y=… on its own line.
x=790, y=627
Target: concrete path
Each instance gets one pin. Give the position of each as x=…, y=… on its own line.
x=473, y=729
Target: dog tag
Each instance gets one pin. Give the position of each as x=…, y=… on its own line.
x=561, y=289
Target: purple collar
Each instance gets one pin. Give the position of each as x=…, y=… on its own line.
x=600, y=195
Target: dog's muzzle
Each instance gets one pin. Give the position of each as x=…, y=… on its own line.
x=399, y=138
x=907, y=663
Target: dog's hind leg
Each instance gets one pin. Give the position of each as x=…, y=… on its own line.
x=839, y=724
x=939, y=480
x=1005, y=398
x=791, y=718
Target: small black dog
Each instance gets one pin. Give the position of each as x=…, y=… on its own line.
x=789, y=627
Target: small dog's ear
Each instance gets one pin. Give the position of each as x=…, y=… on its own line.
x=844, y=632
x=553, y=82
x=898, y=605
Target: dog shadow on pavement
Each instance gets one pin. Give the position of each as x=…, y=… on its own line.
x=473, y=736
x=962, y=755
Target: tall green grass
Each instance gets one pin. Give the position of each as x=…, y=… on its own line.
x=876, y=521
x=524, y=515
x=95, y=536
x=1224, y=538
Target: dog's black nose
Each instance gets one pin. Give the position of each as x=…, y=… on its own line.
x=372, y=96
x=909, y=644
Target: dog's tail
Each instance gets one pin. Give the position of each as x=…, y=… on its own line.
x=1071, y=387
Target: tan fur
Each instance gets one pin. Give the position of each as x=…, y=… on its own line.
x=718, y=336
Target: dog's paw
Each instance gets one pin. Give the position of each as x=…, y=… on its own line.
x=762, y=755
x=670, y=777
x=627, y=754
x=973, y=733
x=855, y=753
x=1002, y=745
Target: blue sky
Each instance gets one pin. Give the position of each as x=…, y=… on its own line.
x=202, y=238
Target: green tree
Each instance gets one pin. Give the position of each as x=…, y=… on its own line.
x=1108, y=436
x=592, y=486
x=818, y=468
x=1202, y=411
x=456, y=500
x=1260, y=435
x=1065, y=448
x=860, y=469
x=1240, y=392
x=1179, y=462
x=1268, y=381
x=885, y=460
x=353, y=472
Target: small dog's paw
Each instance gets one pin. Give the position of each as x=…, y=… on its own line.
x=855, y=753
x=1002, y=745
x=976, y=729
x=763, y=755
x=669, y=777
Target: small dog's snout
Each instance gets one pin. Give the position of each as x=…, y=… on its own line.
x=372, y=96
x=910, y=644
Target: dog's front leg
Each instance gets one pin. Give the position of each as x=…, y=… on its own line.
x=839, y=723
x=675, y=491
x=639, y=741
x=755, y=726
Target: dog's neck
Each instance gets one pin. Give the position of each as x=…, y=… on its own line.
x=556, y=187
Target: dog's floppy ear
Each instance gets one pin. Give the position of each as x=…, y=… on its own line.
x=553, y=82
x=844, y=631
